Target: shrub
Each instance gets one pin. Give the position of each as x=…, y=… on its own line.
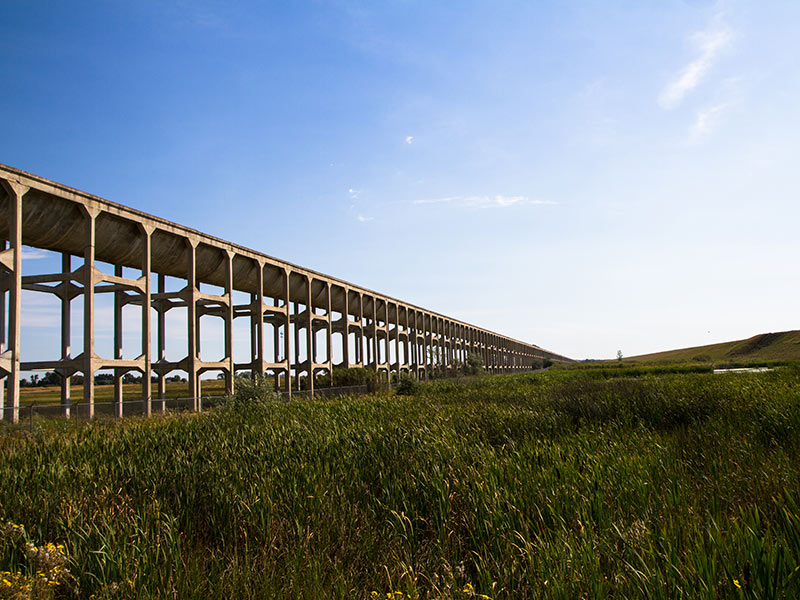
x=252, y=391
x=407, y=385
x=474, y=364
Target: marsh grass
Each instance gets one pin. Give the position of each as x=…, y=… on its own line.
x=557, y=485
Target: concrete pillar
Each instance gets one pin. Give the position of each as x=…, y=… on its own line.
x=309, y=336
x=287, y=350
x=257, y=326
x=396, y=337
x=297, y=345
x=90, y=216
x=162, y=340
x=427, y=344
x=118, y=409
x=147, y=300
x=228, y=318
x=360, y=331
x=15, y=193
x=66, y=332
x=374, y=332
x=192, y=323
x=330, y=335
x=346, y=337
x=3, y=289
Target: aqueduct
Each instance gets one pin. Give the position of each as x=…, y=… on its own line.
x=283, y=303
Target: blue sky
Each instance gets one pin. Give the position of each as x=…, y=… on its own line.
x=586, y=176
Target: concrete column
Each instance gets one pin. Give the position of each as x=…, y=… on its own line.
x=426, y=345
x=3, y=290
x=360, y=332
x=375, y=333
x=253, y=365
x=330, y=335
x=257, y=326
x=88, y=309
x=296, y=346
x=287, y=350
x=230, y=384
x=162, y=340
x=147, y=300
x=192, y=322
x=396, y=336
x=419, y=359
x=346, y=338
x=443, y=343
x=66, y=332
x=118, y=409
x=309, y=337
x=15, y=193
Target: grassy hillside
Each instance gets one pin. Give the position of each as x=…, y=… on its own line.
x=763, y=347
x=555, y=485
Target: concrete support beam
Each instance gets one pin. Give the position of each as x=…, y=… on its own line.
x=118, y=372
x=228, y=318
x=147, y=395
x=66, y=332
x=12, y=263
x=309, y=337
x=287, y=335
x=161, y=341
x=88, y=270
x=191, y=293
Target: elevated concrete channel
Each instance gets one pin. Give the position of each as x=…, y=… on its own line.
x=379, y=332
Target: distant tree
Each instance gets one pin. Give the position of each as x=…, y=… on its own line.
x=619, y=355
x=474, y=364
x=50, y=378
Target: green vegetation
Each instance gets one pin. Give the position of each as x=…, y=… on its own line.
x=105, y=393
x=563, y=484
x=346, y=377
x=784, y=346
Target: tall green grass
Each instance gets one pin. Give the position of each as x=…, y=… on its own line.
x=556, y=485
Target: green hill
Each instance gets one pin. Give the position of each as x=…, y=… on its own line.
x=763, y=347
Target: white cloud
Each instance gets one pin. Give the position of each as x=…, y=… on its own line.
x=498, y=201
x=32, y=253
x=705, y=122
x=353, y=193
x=710, y=43
x=437, y=200
x=363, y=219
x=40, y=310
x=410, y=139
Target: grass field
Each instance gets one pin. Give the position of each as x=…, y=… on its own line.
x=563, y=484
x=782, y=346
x=105, y=393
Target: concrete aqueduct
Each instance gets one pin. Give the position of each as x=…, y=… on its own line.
x=373, y=330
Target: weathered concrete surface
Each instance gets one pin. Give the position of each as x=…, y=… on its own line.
x=372, y=326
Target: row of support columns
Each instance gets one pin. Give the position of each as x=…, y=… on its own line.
x=376, y=332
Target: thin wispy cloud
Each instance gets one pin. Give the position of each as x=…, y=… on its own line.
x=498, y=201
x=410, y=139
x=33, y=254
x=353, y=193
x=40, y=310
x=710, y=43
x=705, y=122
x=363, y=219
